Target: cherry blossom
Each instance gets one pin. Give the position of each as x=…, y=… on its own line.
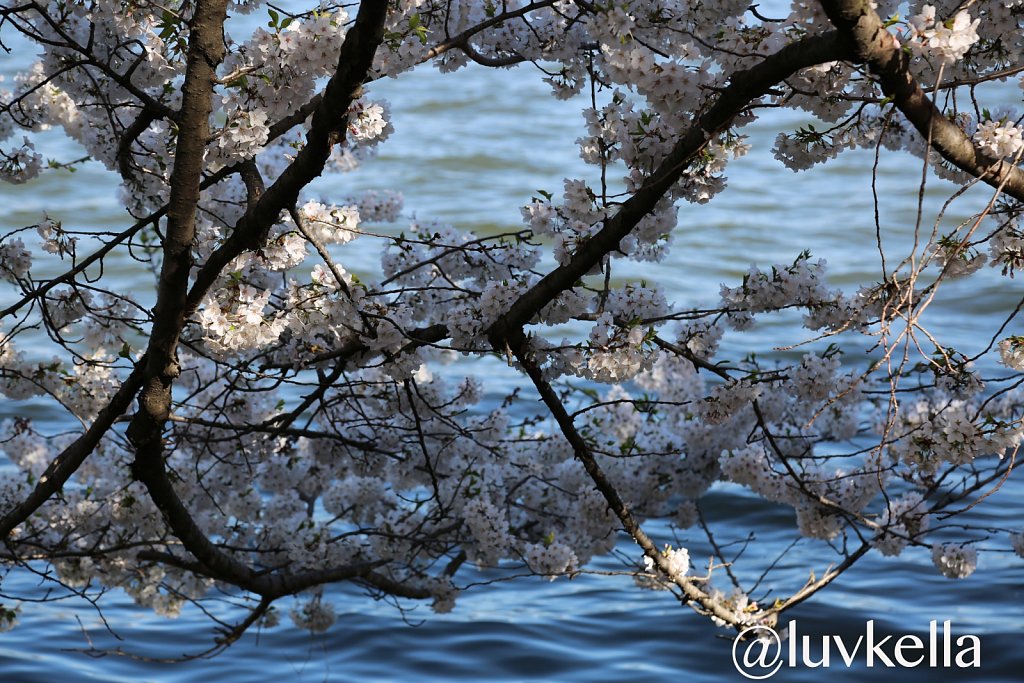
x=280, y=412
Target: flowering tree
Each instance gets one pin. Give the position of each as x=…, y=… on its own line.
x=266, y=422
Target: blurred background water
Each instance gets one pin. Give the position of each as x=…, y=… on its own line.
x=470, y=150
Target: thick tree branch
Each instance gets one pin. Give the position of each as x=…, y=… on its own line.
x=205, y=53
x=419, y=337
x=863, y=32
x=72, y=457
x=328, y=128
x=517, y=342
x=269, y=429
x=212, y=561
x=128, y=138
x=744, y=87
x=206, y=50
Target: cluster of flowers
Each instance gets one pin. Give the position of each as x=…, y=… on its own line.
x=1000, y=139
x=15, y=260
x=955, y=560
x=20, y=164
x=241, y=325
x=677, y=559
x=274, y=72
x=943, y=40
x=902, y=521
x=800, y=284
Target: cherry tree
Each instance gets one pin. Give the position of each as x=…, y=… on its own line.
x=265, y=422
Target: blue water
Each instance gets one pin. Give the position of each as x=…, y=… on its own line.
x=458, y=155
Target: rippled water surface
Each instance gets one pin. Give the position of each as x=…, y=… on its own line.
x=470, y=150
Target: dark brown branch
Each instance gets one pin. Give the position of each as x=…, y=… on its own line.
x=212, y=561
x=72, y=457
x=231, y=635
x=517, y=343
x=497, y=61
x=392, y=587
x=744, y=87
x=423, y=336
x=862, y=31
x=328, y=128
x=128, y=137
x=239, y=429
x=205, y=52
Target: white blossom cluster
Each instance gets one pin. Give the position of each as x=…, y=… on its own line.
x=275, y=71
x=737, y=604
x=242, y=137
x=21, y=164
x=314, y=615
x=955, y=560
x=946, y=42
x=1017, y=543
x=15, y=260
x=384, y=206
x=331, y=224
x=1006, y=248
x=368, y=121
x=551, y=559
x=1011, y=352
x=725, y=401
x=676, y=559
x=801, y=284
x=999, y=139
x=956, y=261
x=902, y=521
x=241, y=323
x=490, y=529
x=618, y=354
x=938, y=430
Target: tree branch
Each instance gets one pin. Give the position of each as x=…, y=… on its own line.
x=206, y=50
x=619, y=508
x=862, y=30
x=744, y=87
x=72, y=457
x=328, y=128
x=461, y=40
